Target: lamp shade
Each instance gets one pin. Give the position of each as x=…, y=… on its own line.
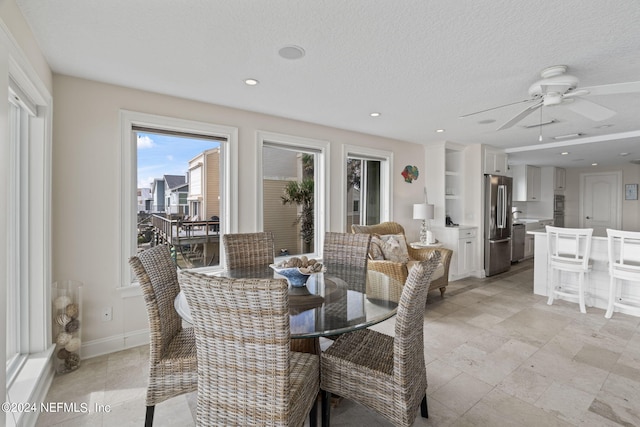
x=423, y=211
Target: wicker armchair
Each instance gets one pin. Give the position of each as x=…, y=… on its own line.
x=386, y=374
x=400, y=271
x=247, y=376
x=248, y=249
x=172, y=356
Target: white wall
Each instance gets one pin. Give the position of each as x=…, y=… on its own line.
x=86, y=164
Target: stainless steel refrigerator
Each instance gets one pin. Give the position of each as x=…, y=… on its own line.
x=497, y=224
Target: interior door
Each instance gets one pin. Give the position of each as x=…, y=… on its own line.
x=601, y=198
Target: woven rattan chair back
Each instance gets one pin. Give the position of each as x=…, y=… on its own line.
x=248, y=249
x=172, y=351
x=243, y=344
x=408, y=349
x=346, y=250
x=386, y=374
x=382, y=228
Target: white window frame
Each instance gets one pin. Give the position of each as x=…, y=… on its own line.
x=386, y=180
x=127, y=209
x=320, y=148
x=28, y=377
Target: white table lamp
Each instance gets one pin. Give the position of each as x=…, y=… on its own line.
x=425, y=212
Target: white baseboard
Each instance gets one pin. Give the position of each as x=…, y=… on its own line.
x=115, y=343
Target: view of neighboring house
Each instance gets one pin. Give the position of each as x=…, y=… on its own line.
x=279, y=167
x=204, y=185
x=169, y=195
x=145, y=200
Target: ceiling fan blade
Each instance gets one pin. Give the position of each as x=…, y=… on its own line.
x=590, y=110
x=613, y=89
x=579, y=92
x=495, y=108
x=521, y=115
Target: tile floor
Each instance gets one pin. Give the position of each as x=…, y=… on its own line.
x=496, y=355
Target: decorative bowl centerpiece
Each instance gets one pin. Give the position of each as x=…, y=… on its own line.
x=297, y=270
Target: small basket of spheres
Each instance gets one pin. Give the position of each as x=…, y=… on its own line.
x=66, y=325
x=297, y=270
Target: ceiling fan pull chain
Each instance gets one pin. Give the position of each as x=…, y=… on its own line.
x=540, y=137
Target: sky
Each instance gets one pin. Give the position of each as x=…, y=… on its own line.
x=160, y=155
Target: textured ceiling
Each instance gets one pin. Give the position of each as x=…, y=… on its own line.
x=420, y=63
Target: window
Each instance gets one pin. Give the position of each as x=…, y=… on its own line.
x=160, y=155
x=293, y=192
x=185, y=168
x=16, y=310
x=367, y=176
x=28, y=275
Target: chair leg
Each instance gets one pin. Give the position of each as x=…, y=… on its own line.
x=424, y=410
x=552, y=285
x=326, y=408
x=581, y=293
x=148, y=419
x=313, y=415
x=612, y=295
x=442, y=289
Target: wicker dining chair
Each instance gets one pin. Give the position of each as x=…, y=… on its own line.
x=346, y=249
x=248, y=249
x=172, y=356
x=385, y=374
x=247, y=375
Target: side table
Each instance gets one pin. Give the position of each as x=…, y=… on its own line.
x=418, y=245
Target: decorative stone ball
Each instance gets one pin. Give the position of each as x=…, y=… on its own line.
x=62, y=320
x=72, y=310
x=62, y=301
x=72, y=362
x=73, y=345
x=72, y=326
x=63, y=354
x=63, y=338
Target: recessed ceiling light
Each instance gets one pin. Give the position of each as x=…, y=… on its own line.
x=251, y=82
x=603, y=126
x=623, y=154
x=564, y=153
x=594, y=164
x=291, y=52
x=439, y=130
x=375, y=114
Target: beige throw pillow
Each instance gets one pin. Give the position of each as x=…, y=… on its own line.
x=375, y=249
x=394, y=248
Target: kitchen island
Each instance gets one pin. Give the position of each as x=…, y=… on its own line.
x=597, y=281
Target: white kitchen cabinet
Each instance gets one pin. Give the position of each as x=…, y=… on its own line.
x=495, y=162
x=526, y=183
x=529, y=245
x=463, y=242
x=560, y=179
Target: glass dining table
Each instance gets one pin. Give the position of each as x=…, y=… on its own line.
x=341, y=299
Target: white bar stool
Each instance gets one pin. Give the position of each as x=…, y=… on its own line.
x=624, y=266
x=569, y=250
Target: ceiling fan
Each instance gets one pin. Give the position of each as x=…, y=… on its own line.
x=557, y=87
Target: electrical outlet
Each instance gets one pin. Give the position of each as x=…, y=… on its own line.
x=107, y=314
